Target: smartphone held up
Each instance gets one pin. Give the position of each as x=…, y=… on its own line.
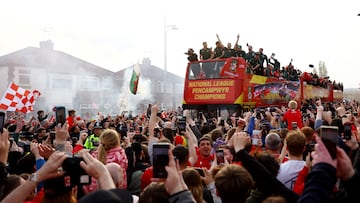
x=60, y=114
x=329, y=136
x=2, y=121
x=347, y=131
x=160, y=159
x=220, y=158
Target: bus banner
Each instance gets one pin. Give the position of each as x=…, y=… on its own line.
x=211, y=91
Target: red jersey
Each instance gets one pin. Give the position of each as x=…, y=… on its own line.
x=203, y=161
x=293, y=116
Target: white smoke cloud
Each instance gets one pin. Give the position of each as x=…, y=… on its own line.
x=135, y=103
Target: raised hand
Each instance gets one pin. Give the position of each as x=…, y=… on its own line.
x=4, y=146
x=51, y=168
x=61, y=133
x=46, y=151
x=240, y=140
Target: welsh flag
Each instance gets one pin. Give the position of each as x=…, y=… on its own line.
x=135, y=78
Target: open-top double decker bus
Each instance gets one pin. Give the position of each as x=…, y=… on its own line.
x=225, y=84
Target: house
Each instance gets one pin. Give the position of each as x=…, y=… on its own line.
x=68, y=81
x=61, y=78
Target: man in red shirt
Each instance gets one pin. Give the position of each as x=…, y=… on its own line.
x=204, y=155
x=293, y=115
x=71, y=118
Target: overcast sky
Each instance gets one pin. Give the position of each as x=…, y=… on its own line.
x=117, y=34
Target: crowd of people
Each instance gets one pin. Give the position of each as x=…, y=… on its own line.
x=259, y=63
x=274, y=154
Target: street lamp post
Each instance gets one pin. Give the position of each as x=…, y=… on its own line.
x=166, y=29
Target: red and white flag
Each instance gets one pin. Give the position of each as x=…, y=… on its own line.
x=18, y=99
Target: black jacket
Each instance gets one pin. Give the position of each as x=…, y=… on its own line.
x=265, y=181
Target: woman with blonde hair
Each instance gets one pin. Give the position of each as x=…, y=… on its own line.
x=110, y=151
x=193, y=180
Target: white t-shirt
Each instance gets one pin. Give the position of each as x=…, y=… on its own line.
x=289, y=172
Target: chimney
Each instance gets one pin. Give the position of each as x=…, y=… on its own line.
x=146, y=62
x=47, y=45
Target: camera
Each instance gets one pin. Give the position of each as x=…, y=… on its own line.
x=312, y=147
x=189, y=52
x=347, y=131
x=258, y=114
x=72, y=168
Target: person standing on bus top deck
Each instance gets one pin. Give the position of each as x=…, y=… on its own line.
x=228, y=51
x=192, y=56
x=275, y=65
x=264, y=59
x=195, y=67
x=205, y=52
x=219, y=50
x=240, y=52
x=255, y=66
x=250, y=54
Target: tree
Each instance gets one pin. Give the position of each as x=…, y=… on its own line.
x=322, y=69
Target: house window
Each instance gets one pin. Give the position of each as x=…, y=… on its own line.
x=107, y=82
x=61, y=82
x=159, y=86
x=89, y=83
x=24, y=76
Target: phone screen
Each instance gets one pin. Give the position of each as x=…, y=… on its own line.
x=60, y=115
x=2, y=121
x=220, y=156
x=294, y=125
x=329, y=135
x=160, y=159
x=347, y=131
x=222, y=122
x=200, y=171
x=182, y=124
